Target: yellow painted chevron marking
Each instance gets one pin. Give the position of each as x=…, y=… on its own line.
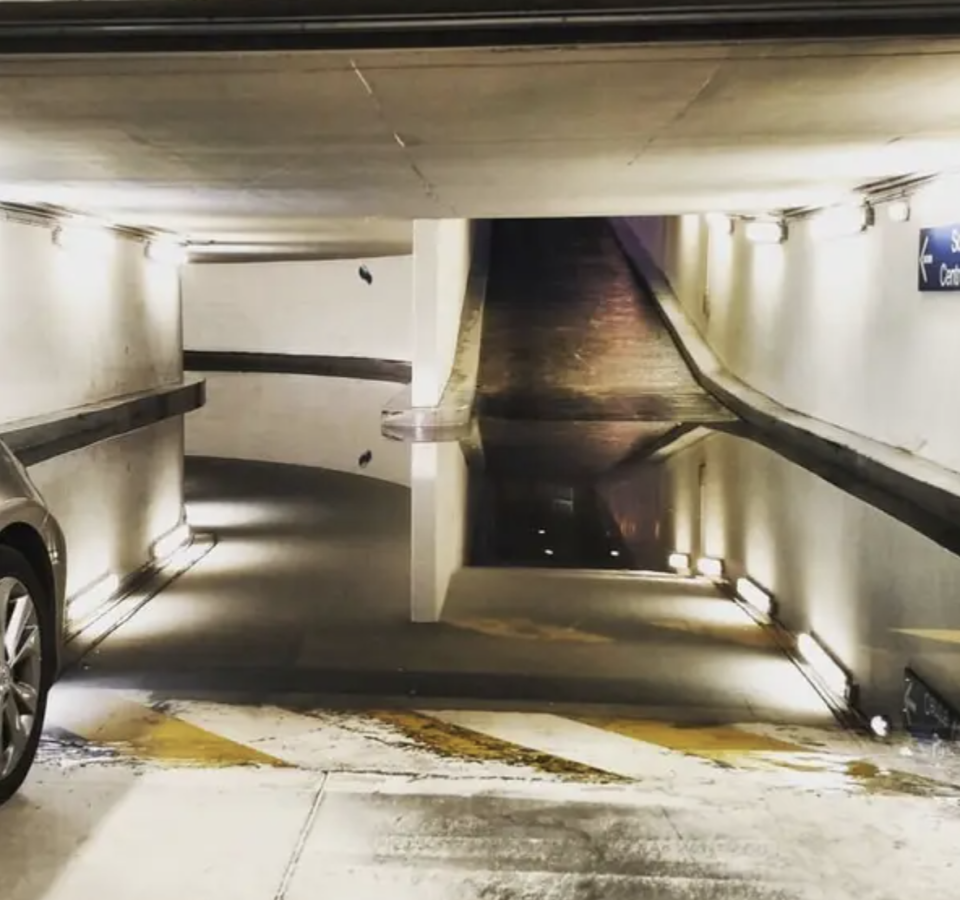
x=943, y=635
x=741, y=748
x=528, y=630
x=721, y=743
x=137, y=731
x=457, y=742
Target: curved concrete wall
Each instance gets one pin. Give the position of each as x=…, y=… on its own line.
x=299, y=419
x=321, y=308
x=316, y=307
x=80, y=327
x=832, y=328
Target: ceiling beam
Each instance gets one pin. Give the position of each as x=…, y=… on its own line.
x=173, y=26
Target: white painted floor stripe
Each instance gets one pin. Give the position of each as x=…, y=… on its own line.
x=335, y=741
x=342, y=742
x=580, y=743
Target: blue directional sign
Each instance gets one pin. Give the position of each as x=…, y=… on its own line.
x=938, y=265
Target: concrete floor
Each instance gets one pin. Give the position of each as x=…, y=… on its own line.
x=629, y=741
x=289, y=602
x=225, y=802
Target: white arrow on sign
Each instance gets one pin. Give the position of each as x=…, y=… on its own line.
x=925, y=258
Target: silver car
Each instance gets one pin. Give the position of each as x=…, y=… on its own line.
x=32, y=583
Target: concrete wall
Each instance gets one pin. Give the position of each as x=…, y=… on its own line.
x=81, y=327
x=114, y=499
x=838, y=567
x=442, y=252
x=298, y=419
x=315, y=308
x=319, y=308
x=833, y=328
x=438, y=526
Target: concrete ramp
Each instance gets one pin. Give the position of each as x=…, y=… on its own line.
x=686, y=652
x=569, y=335
x=566, y=452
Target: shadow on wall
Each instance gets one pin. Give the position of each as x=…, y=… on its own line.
x=879, y=595
x=328, y=423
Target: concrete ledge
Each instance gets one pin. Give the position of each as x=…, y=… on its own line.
x=450, y=419
x=360, y=368
x=38, y=439
x=916, y=491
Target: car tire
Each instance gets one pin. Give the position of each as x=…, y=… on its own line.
x=18, y=579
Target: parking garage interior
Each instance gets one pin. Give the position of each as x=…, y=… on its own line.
x=496, y=455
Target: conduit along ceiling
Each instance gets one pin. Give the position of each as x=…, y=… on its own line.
x=321, y=152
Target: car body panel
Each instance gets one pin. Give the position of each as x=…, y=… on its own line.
x=21, y=504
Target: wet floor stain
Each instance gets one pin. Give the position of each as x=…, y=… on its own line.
x=66, y=750
x=832, y=772
x=454, y=742
x=745, y=634
x=119, y=728
x=528, y=630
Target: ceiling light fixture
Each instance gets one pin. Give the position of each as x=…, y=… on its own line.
x=842, y=221
x=167, y=251
x=760, y=232
x=899, y=211
x=83, y=237
x=720, y=223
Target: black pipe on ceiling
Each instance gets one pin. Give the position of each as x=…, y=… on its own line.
x=171, y=26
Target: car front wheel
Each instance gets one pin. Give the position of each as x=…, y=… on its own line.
x=24, y=673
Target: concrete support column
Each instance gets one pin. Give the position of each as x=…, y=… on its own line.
x=441, y=267
x=438, y=511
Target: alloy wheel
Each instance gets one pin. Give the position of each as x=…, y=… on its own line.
x=21, y=671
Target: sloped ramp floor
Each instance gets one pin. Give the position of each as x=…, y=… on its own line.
x=568, y=333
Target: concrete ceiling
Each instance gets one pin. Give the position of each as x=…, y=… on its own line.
x=306, y=148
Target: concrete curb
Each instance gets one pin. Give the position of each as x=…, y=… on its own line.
x=837, y=454
x=451, y=419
